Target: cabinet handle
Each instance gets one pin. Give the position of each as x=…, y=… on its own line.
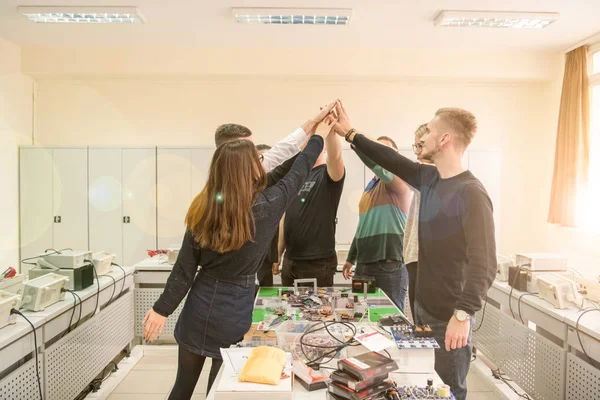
x=57, y=219
x=126, y=220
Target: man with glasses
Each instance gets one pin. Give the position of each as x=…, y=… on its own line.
x=457, y=248
x=411, y=238
x=377, y=245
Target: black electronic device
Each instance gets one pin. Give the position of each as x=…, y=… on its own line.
x=367, y=365
x=351, y=382
x=359, y=282
x=372, y=392
x=520, y=282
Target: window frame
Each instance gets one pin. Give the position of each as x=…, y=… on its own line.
x=594, y=78
x=594, y=83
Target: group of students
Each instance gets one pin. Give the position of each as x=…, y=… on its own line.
x=258, y=203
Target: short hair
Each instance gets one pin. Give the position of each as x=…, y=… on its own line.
x=421, y=131
x=389, y=139
x=263, y=147
x=460, y=121
x=227, y=132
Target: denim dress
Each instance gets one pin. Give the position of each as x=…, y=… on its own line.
x=220, y=297
x=217, y=313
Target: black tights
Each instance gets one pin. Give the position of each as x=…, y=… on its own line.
x=189, y=367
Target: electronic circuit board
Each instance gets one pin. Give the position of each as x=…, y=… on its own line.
x=274, y=305
x=418, y=393
x=413, y=337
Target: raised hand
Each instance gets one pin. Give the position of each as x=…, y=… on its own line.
x=326, y=126
x=343, y=125
x=311, y=125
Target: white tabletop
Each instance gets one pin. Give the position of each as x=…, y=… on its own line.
x=10, y=333
x=300, y=393
x=13, y=332
x=157, y=263
x=589, y=323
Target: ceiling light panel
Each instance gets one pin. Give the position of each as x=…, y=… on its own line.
x=489, y=19
x=293, y=16
x=83, y=15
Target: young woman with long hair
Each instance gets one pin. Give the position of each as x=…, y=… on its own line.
x=230, y=225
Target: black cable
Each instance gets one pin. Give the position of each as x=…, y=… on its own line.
x=124, y=275
x=482, y=316
x=104, y=378
x=43, y=255
x=114, y=287
x=577, y=330
x=512, y=287
x=499, y=375
x=97, y=283
x=387, y=352
x=37, y=364
x=75, y=295
x=334, y=349
x=72, y=313
x=519, y=304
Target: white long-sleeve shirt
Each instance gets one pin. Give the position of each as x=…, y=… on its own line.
x=411, y=232
x=283, y=150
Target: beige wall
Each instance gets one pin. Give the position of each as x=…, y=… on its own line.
x=147, y=112
x=16, y=121
x=178, y=97
x=378, y=63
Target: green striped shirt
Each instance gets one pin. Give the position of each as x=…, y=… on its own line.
x=382, y=219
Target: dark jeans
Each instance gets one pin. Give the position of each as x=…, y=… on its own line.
x=411, y=268
x=189, y=367
x=265, y=274
x=323, y=270
x=452, y=366
x=390, y=276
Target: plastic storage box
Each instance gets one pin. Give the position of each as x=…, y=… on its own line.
x=289, y=339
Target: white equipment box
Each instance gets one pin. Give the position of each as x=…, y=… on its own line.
x=589, y=288
x=532, y=278
x=172, y=254
x=103, y=262
x=503, y=264
x=558, y=290
x=44, y=291
x=68, y=258
x=13, y=285
x=8, y=301
x=542, y=262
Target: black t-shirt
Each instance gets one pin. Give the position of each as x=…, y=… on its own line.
x=309, y=227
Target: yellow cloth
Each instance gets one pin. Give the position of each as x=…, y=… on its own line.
x=264, y=365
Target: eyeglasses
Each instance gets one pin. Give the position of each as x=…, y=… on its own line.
x=417, y=148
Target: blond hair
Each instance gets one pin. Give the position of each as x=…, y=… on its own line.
x=460, y=121
x=421, y=131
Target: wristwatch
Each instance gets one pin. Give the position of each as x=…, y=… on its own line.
x=461, y=315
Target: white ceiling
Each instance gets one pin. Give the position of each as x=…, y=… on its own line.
x=405, y=24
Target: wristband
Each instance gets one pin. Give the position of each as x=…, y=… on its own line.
x=350, y=132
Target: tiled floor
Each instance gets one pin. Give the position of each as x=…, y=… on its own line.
x=152, y=379
x=154, y=375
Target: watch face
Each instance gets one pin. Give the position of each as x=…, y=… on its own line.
x=461, y=315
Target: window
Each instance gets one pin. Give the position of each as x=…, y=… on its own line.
x=588, y=215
